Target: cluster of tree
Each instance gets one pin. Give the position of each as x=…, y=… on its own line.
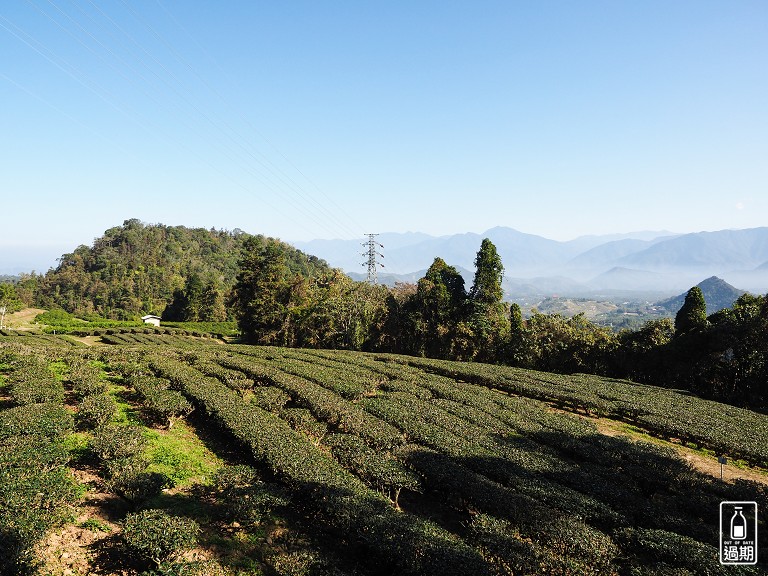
x=199, y=301
x=183, y=274
x=9, y=298
x=276, y=303
x=723, y=356
x=286, y=298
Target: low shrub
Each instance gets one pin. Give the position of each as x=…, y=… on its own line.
x=37, y=491
x=50, y=420
x=168, y=405
x=157, y=536
x=86, y=381
x=244, y=496
x=33, y=383
x=96, y=411
x=113, y=441
x=129, y=479
x=270, y=398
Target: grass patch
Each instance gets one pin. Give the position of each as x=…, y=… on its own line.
x=640, y=434
x=629, y=428
x=125, y=414
x=744, y=465
x=77, y=444
x=59, y=369
x=181, y=455
x=182, y=504
x=71, y=339
x=94, y=525
x=177, y=453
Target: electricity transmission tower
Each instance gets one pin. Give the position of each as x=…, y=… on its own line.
x=372, y=265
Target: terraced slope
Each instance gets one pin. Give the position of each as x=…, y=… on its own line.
x=399, y=465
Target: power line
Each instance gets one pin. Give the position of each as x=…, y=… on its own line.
x=231, y=153
x=280, y=175
x=109, y=98
x=270, y=175
x=337, y=209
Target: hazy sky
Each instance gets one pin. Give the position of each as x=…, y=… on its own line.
x=332, y=119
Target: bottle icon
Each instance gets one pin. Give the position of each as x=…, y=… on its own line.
x=738, y=525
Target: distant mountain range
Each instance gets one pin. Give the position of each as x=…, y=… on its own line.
x=640, y=262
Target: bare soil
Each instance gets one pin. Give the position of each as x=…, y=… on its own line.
x=22, y=320
x=702, y=462
x=89, y=340
x=84, y=546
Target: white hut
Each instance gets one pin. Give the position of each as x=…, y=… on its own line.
x=151, y=319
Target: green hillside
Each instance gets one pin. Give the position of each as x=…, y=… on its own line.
x=139, y=268
x=327, y=462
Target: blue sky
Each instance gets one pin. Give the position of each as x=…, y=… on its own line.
x=315, y=119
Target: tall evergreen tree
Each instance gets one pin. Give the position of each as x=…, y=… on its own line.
x=693, y=313
x=515, y=318
x=174, y=312
x=193, y=291
x=489, y=271
x=516, y=351
x=488, y=321
x=187, y=304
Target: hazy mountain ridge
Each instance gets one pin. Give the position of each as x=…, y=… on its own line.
x=735, y=249
x=641, y=261
x=718, y=294
x=622, y=278
x=609, y=252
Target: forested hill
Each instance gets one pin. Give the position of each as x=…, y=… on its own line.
x=140, y=268
x=718, y=294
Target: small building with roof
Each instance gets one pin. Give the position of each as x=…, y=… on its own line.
x=151, y=319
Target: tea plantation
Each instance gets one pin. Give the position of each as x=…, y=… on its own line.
x=331, y=462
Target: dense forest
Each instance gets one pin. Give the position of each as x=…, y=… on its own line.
x=280, y=296
x=181, y=273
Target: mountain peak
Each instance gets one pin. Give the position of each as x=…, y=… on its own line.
x=718, y=294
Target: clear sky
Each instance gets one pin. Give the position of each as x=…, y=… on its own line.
x=331, y=119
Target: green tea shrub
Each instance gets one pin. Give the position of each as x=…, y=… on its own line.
x=96, y=411
x=45, y=419
x=157, y=536
x=244, y=496
x=129, y=479
x=86, y=381
x=113, y=441
x=270, y=398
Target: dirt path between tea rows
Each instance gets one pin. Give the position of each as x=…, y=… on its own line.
x=702, y=462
